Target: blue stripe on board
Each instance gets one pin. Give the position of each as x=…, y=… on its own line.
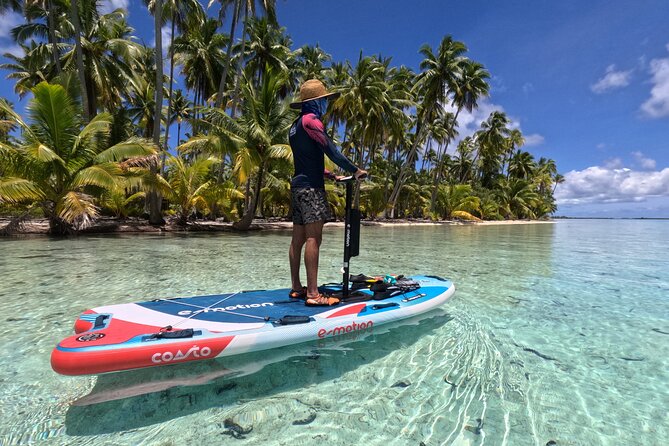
x=235, y=308
x=272, y=304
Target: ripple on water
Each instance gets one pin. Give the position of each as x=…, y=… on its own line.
x=556, y=333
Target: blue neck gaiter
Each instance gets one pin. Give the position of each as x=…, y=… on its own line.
x=317, y=107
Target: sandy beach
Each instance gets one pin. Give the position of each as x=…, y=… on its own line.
x=112, y=225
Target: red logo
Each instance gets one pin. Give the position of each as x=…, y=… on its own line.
x=343, y=329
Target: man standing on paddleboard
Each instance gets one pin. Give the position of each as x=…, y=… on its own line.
x=309, y=143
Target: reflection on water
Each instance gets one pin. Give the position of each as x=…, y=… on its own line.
x=160, y=394
x=556, y=333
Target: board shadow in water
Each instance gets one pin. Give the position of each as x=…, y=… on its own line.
x=138, y=398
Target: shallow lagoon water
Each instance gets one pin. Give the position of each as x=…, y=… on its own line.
x=557, y=333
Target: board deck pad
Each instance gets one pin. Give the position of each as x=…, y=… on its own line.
x=235, y=307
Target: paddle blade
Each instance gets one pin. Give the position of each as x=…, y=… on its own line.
x=355, y=232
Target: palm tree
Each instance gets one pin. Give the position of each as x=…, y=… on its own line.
x=109, y=57
x=521, y=165
x=557, y=179
x=439, y=74
x=142, y=105
x=268, y=46
x=188, y=183
x=469, y=86
x=199, y=52
x=181, y=111
x=59, y=164
x=74, y=18
x=260, y=135
x=457, y=200
x=153, y=198
x=269, y=8
x=363, y=104
x=492, y=144
x=7, y=125
x=309, y=62
x=517, y=198
x=49, y=10
x=182, y=14
x=236, y=5
x=10, y=5
x=463, y=162
x=30, y=69
x=514, y=141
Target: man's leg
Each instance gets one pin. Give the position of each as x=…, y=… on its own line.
x=295, y=255
x=314, y=235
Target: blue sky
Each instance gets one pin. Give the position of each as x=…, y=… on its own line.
x=586, y=81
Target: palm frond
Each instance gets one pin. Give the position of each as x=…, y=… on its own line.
x=134, y=147
x=16, y=190
x=7, y=109
x=100, y=125
x=55, y=117
x=463, y=215
x=105, y=175
x=40, y=152
x=77, y=209
x=281, y=151
x=245, y=162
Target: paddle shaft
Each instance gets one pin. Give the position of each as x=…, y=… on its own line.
x=347, y=237
x=351, y=233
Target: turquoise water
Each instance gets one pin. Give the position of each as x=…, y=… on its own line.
x=557, y=333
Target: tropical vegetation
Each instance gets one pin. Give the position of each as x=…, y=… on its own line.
x=97, y=137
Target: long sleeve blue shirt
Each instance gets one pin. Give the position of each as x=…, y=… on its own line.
x=309, y=143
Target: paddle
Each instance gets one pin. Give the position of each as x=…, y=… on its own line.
x=351, y=230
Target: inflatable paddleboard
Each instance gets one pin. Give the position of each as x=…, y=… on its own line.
x=169, y=331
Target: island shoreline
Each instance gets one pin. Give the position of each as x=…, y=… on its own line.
x=138, y=226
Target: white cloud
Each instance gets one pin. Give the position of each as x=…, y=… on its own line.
x=7, y=44
x=107, y=6
x=657, y=106
x=7, y=22
x=612, y=80
x=613, y=163
x=643, y=161
x=534, y=139
x=11, y=48
x=605, y=185
x=528, y=87
x=468, y=123
x=166, y=34
x=497, y=84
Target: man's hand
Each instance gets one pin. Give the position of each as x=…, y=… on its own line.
x=360, y=174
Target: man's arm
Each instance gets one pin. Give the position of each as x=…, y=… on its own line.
x=329, y=175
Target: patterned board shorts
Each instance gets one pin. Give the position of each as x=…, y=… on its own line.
x=309, y=206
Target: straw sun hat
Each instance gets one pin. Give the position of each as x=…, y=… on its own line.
x=311, y=90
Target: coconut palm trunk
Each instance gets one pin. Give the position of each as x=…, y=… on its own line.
x=240, y=65
x=228, y=55
x=245, y=222
x=169, y=98
x=405, y=169
x=51, y=19
x=440, y=161
x=154, y=199
x=74, y=12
